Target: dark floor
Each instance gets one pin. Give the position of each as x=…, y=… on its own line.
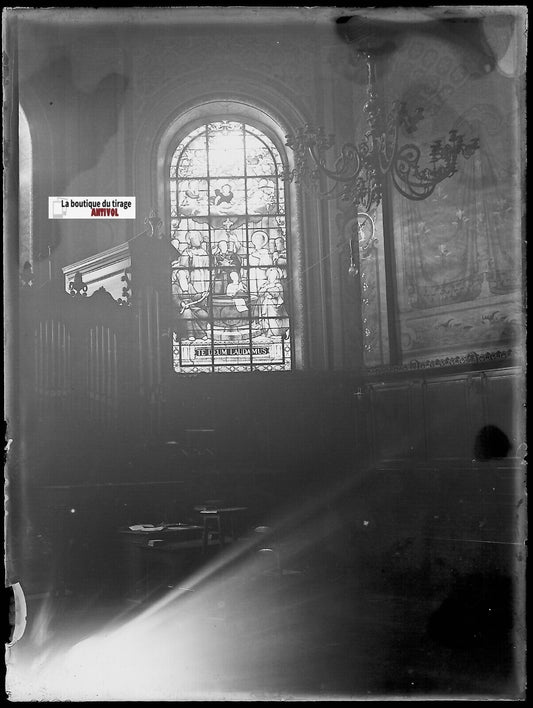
x=248, y=629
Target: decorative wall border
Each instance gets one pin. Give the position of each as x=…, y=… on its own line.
x=468, y=359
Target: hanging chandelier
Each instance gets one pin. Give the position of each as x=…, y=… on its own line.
x=360, y=171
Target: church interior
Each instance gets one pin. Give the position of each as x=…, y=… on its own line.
x=265, y=431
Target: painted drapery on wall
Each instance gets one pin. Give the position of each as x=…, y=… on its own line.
x=458, y=253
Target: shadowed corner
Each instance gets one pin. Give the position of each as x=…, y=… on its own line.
x=482, y=42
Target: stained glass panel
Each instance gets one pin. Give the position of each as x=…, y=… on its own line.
x=262, y=196
x=230, y=275
x=226, y=151
x=260, y=160
x=227, y=196
x=192, y=197
x=193, y=163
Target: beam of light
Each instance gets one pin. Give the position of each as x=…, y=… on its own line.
x=239, y=626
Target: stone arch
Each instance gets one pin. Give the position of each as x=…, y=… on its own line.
x=165, y=124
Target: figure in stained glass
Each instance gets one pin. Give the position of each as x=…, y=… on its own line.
x=230, y=276
x=196, y=258
x=192, y=198
x=192, y=309
x=258, y=258
x=236, y=287
x=279, y=257
x=272, y=316
x=254, y=164
x=226, y=261
x=224, y=195
x=235, y=305
x=227, y=198
x=261, y=199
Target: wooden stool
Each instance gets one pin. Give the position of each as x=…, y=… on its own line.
x=220, y=518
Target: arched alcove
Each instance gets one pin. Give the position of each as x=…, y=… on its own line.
x=231, y=281
x=274, y=118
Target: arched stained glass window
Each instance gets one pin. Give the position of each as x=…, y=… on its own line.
x=230, y=280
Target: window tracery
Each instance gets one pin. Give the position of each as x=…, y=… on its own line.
x=230, y=278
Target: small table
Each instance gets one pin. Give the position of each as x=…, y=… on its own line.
x=156, y=555
x=222, y=518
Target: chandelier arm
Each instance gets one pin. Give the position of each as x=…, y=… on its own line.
x=349, y=153
x=417, y=183
x=414, y=195
x=412, y=182
x=361, y=169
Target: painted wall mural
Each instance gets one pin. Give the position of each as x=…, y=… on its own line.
x=459, y=252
